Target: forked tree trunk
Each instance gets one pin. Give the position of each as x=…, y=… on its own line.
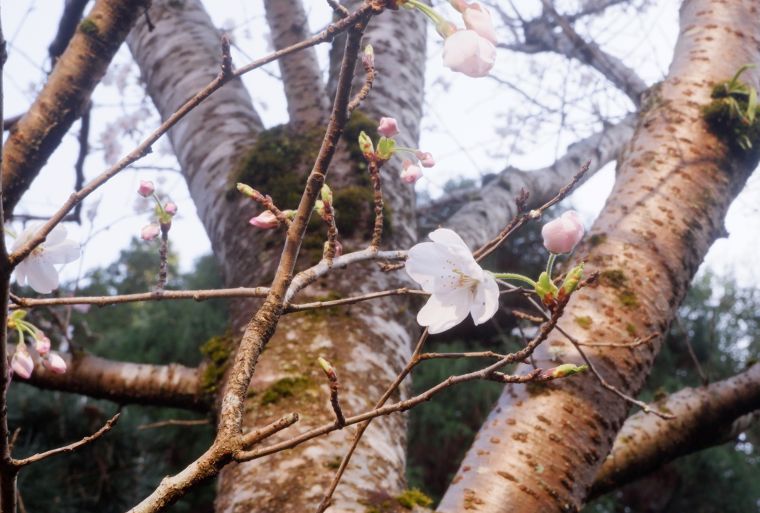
x=541, y=446
x=368, y=344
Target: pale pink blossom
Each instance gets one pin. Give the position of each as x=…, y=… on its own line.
x=54, y=363
x=170, y=208
x=38, y=268
x=477, y=18
x=410, y=173
x=388, y=127
x=457, y=284
x=42, y=345
x=266, y=221
x=150, y=231
x=146, y=188
x=426, y=158
x=22, y=363
x=467, y=52
x=562, y=234
x=459, y=5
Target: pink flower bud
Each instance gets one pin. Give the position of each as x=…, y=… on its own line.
x=459, y=5
x=170, y=208
x=42, y=345
x=562, y=234
x=426, y=158
x=467, y=52
x=22, y=363
x=150, y=231
x=477, y=18
x=146, y=188
x=410, y=173
x=388, y=127
x=54, y=363
x=266, y=221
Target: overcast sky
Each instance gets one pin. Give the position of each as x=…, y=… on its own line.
x=472, y=126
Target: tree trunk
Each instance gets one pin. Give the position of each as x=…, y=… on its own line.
x=368, y=344
x=541, y=447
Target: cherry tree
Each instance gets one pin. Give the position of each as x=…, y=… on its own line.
x=298, y=383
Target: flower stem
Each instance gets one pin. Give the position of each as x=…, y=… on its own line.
x=427, y=11
x=516, y=277
x=550, y=264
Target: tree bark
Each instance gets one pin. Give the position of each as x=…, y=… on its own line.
x=368, y=344
x=704, y=417
x=67, y=92
x=541, y=447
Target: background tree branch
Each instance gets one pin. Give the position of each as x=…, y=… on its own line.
x=704, y=417
x=171, y=385
x=304, y=87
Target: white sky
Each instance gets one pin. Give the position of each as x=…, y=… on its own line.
x=472, y=126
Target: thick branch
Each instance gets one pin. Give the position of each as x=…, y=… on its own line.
x=482, y=212
x=172, y=385
x=704, y=417
x=301, y=77
x=67, y=92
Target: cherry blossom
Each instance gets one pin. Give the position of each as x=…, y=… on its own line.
x=38, y=269
x=388, y=127
x=426, y=158
x=266, y=221
x=146, y=188
x=410, y=172
x=150, y=231
x=468, y=52
x=458, y=285
x=562, y=234
x=54, y=363
x=477, y=18
x=22, y=363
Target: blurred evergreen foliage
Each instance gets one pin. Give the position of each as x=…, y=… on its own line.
x=123, y=467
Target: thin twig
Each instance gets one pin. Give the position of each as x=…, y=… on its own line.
x=377, y=190
x=340, y=10
x=253, y=437
x=692, y=354
x=644, y=406
x=71, y=447
x=522, y=218
x=332, y=378
x=368, y=61
x=174, y=422
x=163, y=254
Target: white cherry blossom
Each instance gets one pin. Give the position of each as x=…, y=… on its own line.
x=457, y=284
x=38, y=269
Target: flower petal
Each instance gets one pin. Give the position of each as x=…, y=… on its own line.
x=63, y=252
x=56, y=235
x=486, y=301
x=444, y=311
x=449, y=238
x=42, y=276
x=21, y=273
x=425, y=261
